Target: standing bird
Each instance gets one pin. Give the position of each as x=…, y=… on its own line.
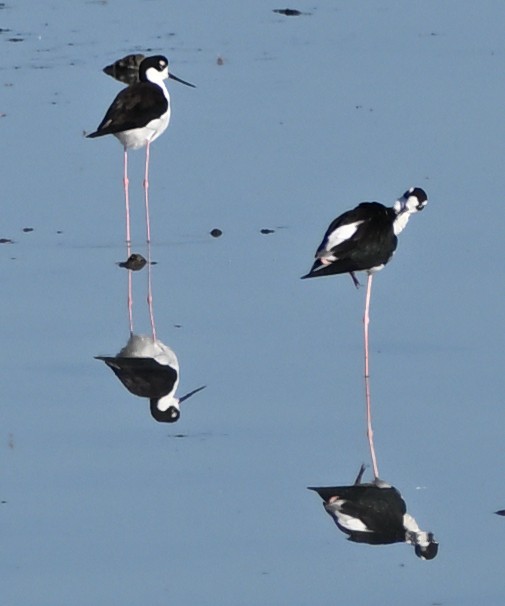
x=149, y=369
x=364, y=239
x=375, y=514
x=138, y=115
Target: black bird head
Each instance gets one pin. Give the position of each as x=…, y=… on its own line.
x=426, y=549
x=413, y=200
x=157, y=63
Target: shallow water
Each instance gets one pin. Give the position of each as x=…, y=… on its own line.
x=305, y=117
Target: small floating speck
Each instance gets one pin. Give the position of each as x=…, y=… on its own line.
x=135, y=262
x=215, y=233
x=15, y=39
x=6, y=241
x=500, y=512
x=266, y=230
x=28, y=229
x=220, y=60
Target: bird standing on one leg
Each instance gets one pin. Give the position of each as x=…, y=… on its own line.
x=365, y=239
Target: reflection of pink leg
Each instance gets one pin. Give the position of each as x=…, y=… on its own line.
x=146, y=194
x=366, y=321
x=130, y=299
x=150, y=291
x=128, y=238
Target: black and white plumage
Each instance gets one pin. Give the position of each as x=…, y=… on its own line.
x=149, y=369
x=141, y=112
x=365, y=238
x=375, y=513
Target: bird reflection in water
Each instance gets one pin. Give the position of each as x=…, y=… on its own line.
x=149, y=369
x=145, y=366
x=126, y=69
x=375, y=513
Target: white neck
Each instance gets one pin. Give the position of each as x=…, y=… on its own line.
x=401, y=221
x=158, y=78
x=165, y=402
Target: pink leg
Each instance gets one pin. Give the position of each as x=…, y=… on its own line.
x=146, y=195
x=150, y=291
x=366, y=321
x=126, y=195
x=128, y=238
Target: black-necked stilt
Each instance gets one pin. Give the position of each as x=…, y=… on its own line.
x=375, y=514
x=125, y=69
x=364, y=239
x=138, y=116
x=149, y=369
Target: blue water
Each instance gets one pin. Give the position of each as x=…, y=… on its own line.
x=306, y=117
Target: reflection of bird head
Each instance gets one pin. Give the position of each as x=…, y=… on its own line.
x=424, y=543
x=426, y=547
x=167, y=409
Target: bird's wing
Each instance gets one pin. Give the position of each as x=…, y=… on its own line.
x=378, y=508
x=143, y=377
x=134, y=107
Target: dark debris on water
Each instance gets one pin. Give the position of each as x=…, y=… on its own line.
x=216, y=232
x=289, y=12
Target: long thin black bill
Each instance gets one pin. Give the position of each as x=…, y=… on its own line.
x=181, y=81
x=191, y=393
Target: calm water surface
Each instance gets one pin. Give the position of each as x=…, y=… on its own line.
x=306, y=117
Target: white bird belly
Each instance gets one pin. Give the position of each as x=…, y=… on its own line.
x=139, y=137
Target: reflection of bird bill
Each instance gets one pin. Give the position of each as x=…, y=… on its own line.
x=191, y=393
x=375, y=513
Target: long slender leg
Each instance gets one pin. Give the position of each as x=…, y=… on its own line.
x=128, y=237
x=126, y=183
x=366, y=321
x=148, y=239
x=150, y=291
x=146, y=195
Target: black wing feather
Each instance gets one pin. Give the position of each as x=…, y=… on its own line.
x=144, y=377
x=134, y=107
